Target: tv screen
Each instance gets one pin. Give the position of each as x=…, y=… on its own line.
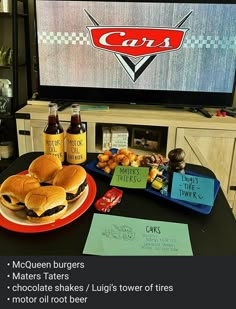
x=139, y=52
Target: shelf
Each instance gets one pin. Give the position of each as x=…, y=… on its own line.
x=9, y=15
x=16, y=35
x=4, y=163
x=142, y=139
x=6, y=116
x=10, y=67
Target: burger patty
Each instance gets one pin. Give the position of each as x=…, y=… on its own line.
x=44, y=184
x=7, y=198
x=71, y=196
x=48, y=212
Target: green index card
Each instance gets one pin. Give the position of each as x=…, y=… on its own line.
x=123, y=236
x=130, y=177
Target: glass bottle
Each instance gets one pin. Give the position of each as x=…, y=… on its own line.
x=53, y=134
x=76, y=138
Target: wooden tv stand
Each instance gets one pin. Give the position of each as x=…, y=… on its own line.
x=207, y=141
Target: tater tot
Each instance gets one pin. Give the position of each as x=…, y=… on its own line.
x=132, y=157
x=119, y=157
x=109, y=162
x=125, y=161
x=135, y=164
x=113, y=165
x=152, y=173
x=103, y=158
x=108, y=153
x=123, y=151
x=101, y=164
x=149, y=179
x=139, y=157
x=107, y=169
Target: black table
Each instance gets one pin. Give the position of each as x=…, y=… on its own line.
x=211, y=235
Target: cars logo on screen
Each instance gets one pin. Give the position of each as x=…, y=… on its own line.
x=145, y=43
x=136, y=42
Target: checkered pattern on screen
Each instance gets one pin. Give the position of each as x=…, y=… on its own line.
x=209, y=42
x=63, y=38
x=83, y=39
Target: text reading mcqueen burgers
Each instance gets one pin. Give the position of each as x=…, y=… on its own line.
x=45, y=192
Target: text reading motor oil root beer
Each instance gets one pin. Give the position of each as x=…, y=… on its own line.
x=94, y=288
x=52, y=283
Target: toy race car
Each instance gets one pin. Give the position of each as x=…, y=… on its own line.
x=159, y=182
x=109, y=200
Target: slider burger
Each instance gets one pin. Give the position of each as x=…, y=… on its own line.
x=73, y=179
x=45, y=204
x=44, y=168
x=14, y=190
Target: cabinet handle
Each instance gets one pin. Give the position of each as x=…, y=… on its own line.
x=22, y=116
x=24, y=132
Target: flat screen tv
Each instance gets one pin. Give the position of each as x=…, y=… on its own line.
x=173, y=53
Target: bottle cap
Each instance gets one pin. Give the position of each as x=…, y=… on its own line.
x=75, y=108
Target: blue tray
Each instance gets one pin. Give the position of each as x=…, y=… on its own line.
x=204, y=209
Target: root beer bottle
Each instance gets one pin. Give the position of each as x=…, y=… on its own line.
x=53, y=134
x=76, y=138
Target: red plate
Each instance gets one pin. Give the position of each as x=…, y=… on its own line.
x=80, y=206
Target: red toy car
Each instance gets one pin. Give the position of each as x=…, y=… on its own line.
x=109, y=200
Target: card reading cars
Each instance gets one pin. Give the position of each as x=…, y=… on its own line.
x=193, y=189
x=130, y=177
x=123, y=236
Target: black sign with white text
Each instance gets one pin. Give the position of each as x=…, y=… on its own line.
x=103, y=282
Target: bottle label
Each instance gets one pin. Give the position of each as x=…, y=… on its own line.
x=54, y=145
x=76, y=150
